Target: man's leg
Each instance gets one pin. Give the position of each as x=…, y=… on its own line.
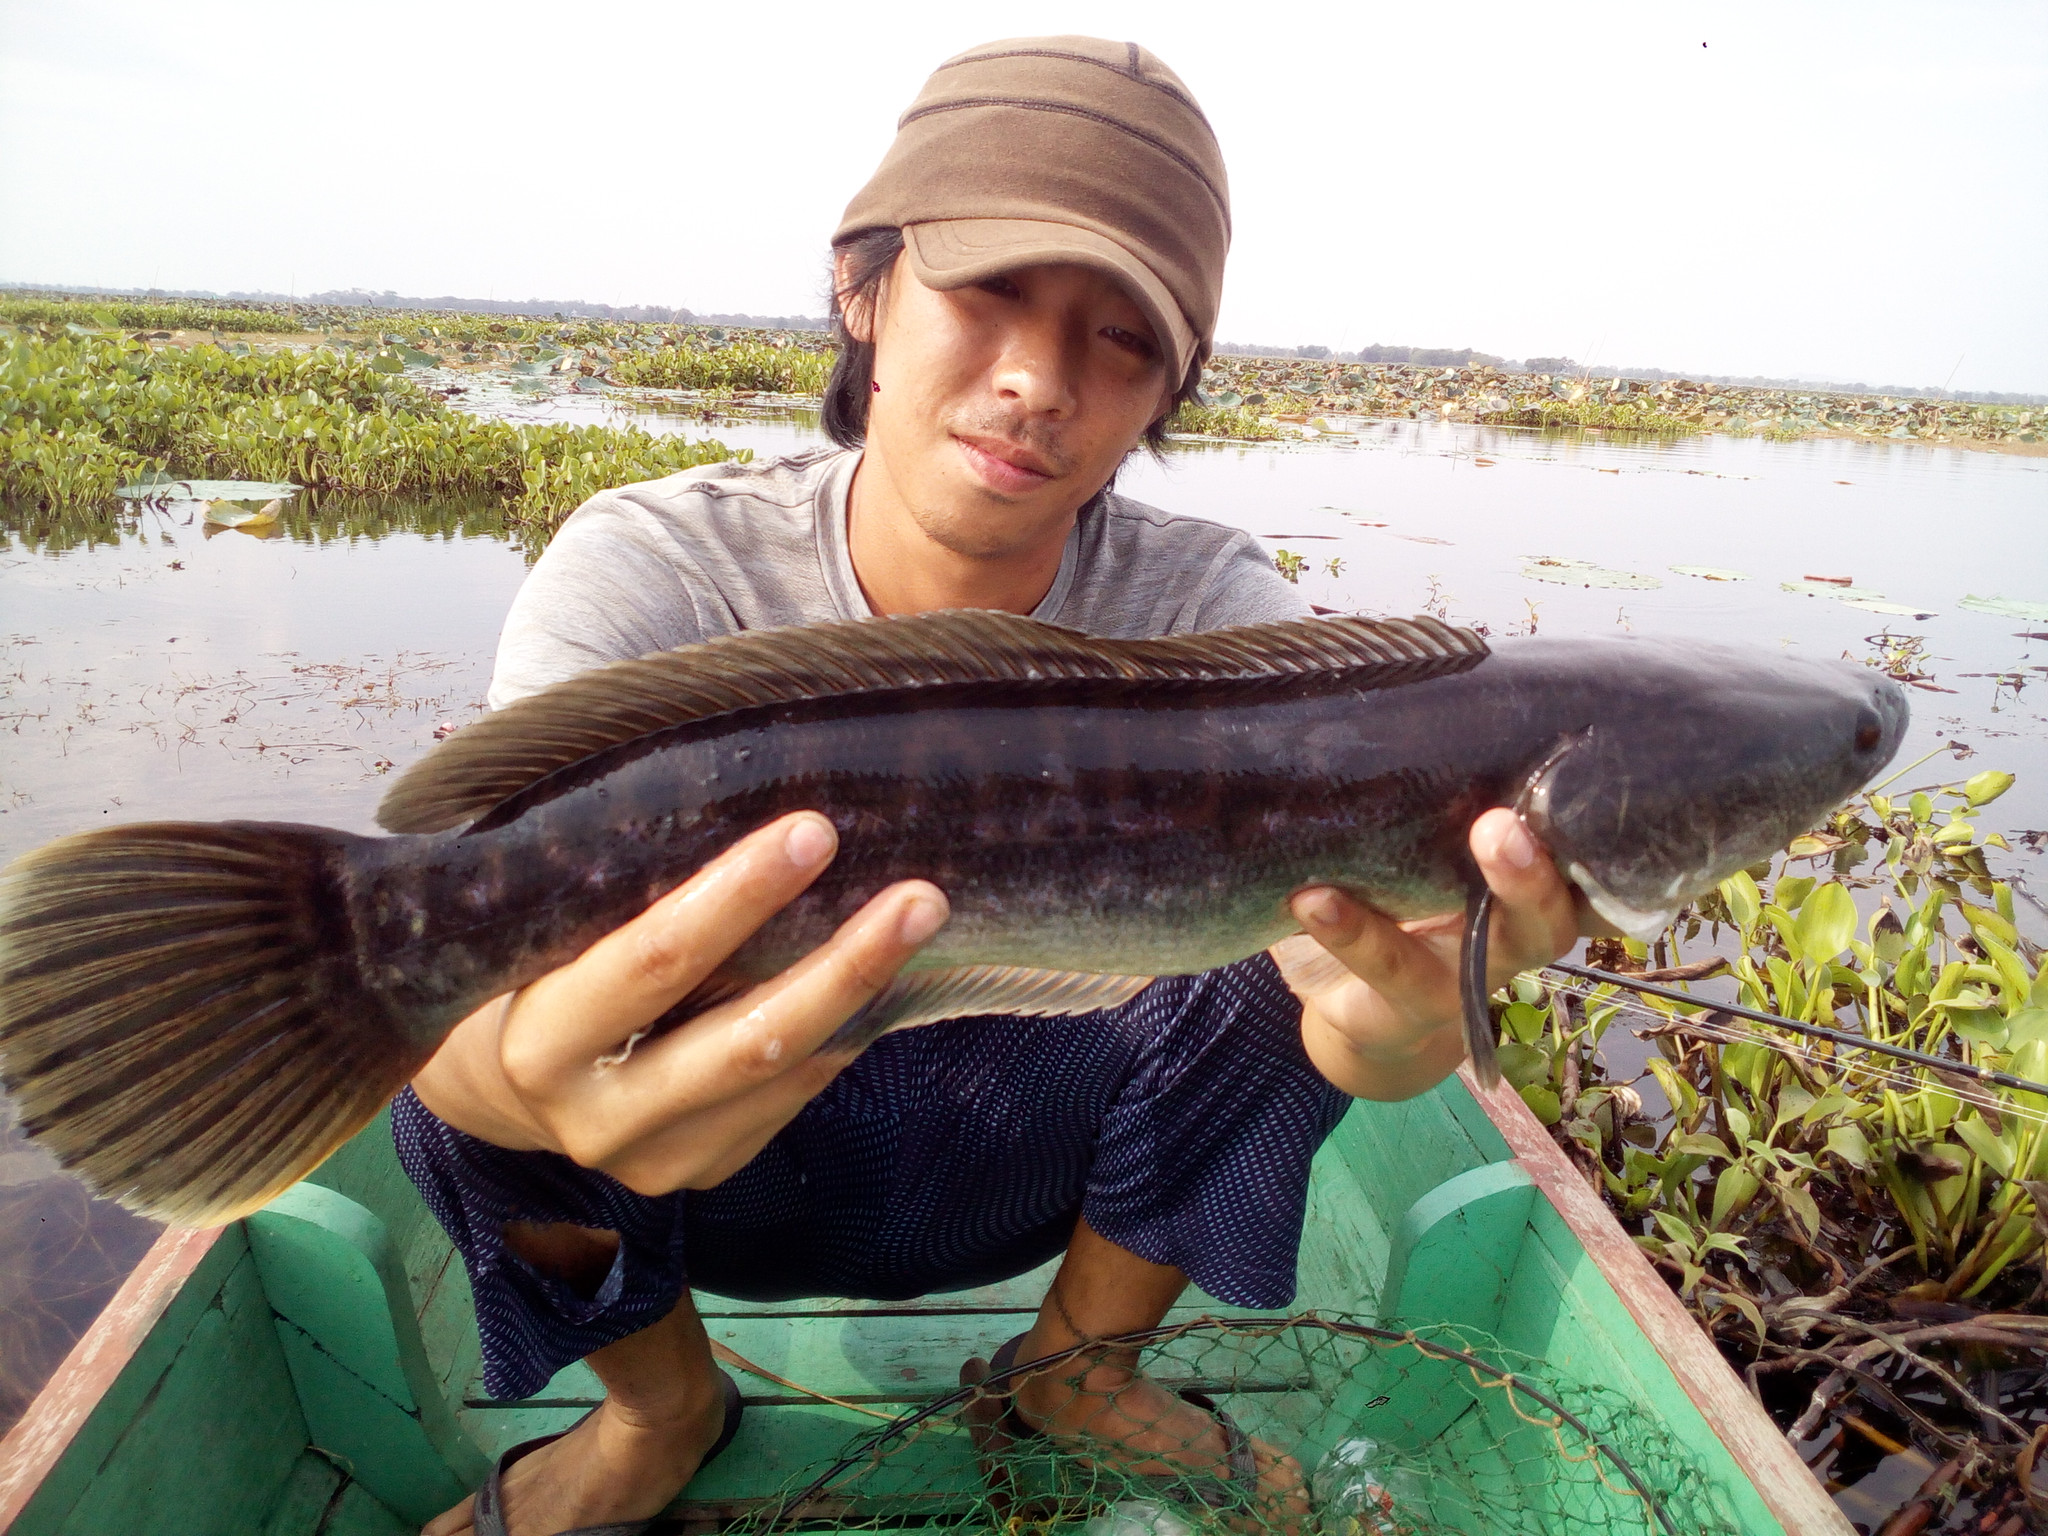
x=663, y=1408
x=1103, y=1289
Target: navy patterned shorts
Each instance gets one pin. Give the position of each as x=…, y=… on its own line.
x=1181, y=1125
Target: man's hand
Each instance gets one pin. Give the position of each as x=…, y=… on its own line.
x=1380, y=1012
x=561, y=1066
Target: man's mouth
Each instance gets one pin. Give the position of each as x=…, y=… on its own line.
x=1004, y=466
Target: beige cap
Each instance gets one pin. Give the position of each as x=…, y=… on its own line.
x=1061, y=149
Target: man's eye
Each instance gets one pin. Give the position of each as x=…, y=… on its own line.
x=1000, y=286
x=1131, y=341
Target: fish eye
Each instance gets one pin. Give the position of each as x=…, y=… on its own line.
x=1869, y=732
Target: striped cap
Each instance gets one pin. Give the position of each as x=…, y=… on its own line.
x=1061, y=149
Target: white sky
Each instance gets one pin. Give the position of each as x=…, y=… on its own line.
x=1839, y=191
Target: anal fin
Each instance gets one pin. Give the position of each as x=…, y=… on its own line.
x=927, y=997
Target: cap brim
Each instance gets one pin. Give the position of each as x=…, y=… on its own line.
x=951, y=253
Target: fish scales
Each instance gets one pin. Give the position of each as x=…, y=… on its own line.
x=1085, y=836
x=193, y=1014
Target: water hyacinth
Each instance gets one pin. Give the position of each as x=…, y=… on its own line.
x=1293, y=389
x=81, y=416
x=148, y=314
x=1863, y=1235
x=750, y=365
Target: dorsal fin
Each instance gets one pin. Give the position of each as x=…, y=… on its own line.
x=491, y=760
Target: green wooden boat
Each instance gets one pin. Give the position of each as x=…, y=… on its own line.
x=314, y=1368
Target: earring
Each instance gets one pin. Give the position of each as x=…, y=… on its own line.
x=875, y=385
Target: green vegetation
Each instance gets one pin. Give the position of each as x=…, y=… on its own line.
x=757, y=365
x=1860, y=1233
x=1253, y=398
x=1298, y=387
x=1222, y=421
x=82, y=416
x=1614, y=415
x=108, y=314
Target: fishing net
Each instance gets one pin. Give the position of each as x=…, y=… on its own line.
x=1355, y=1430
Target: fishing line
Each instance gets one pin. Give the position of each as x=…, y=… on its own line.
x=1818, y=1031
x=1728, y=1034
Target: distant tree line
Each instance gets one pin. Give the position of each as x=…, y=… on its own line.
x=1445, y=357
x=539, y=309
x=1414, y=357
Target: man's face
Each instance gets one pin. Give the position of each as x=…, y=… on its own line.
x=1006, y=404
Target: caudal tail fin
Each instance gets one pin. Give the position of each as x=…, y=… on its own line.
x=181, y=1018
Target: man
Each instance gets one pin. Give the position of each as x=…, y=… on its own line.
x=1024, y=291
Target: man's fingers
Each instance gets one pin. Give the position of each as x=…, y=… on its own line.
x=633, y=975
x=1535, y=917
x=730, y=1051
x=1374, y=948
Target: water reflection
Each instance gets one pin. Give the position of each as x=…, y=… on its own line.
x=62, y=1255
x=308, y=518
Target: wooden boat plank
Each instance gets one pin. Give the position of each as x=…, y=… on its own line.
x=75, y=1420
x=212, y=1444
x=316, y=1500
x=1620, y=1301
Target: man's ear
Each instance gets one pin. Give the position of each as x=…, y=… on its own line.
x=855, y=312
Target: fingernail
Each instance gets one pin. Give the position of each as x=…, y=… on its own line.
x=923, y=916
x=809, y=841
x=1516, y=845
x=1318, y=908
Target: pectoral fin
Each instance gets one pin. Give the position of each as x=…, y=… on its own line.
x=927, y=997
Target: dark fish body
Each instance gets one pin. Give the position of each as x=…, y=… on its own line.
x=1146, y=829
x=1128, y=826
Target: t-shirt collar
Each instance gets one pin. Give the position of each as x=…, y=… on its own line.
x=835, y=553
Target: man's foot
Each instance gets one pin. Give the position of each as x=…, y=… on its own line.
x=1126, y=1417
x=614, y=1466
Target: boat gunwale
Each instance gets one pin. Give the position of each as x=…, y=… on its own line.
x=39, y=1440
x=1753, y=1441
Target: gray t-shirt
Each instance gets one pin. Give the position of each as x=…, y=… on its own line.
x=728, y=547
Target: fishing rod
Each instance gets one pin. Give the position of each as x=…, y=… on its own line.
x=1818, y=1031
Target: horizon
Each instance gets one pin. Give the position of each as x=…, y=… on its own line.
x=1818, y=194
x=1436, y=357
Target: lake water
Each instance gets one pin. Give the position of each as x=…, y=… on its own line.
x=173, y=673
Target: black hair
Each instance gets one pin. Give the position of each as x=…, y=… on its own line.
x=870, y=257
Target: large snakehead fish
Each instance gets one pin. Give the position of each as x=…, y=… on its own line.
x=193, y=1015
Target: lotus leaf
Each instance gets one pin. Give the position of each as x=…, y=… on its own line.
x=1583, y=573
x=1831, y=589
x=235, y=514
x=1709, y=573
x=1871, y=605
x=2009, y=608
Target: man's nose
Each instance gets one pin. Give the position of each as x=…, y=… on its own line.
x=1037, y=367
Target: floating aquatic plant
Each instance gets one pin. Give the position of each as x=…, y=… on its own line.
x=784, y=370
x=1236, y=420
x=81, y=417
x=108, y=314
x=1863, y=1235
x=1584, y=573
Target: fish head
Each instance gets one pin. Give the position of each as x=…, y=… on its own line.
x=1699, y=760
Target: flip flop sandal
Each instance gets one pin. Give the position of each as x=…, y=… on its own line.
x=487, y=1515
x=995, y=1426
